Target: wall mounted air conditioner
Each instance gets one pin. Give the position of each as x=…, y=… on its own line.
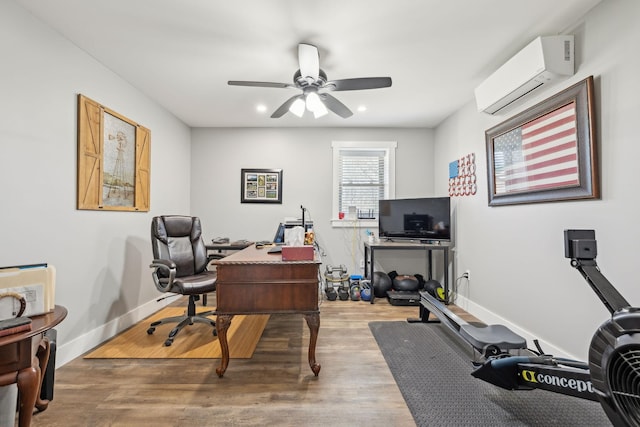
x=542, y=61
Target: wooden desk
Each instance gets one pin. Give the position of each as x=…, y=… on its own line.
x=23, y=358
x=253, y=281
x=219, y=250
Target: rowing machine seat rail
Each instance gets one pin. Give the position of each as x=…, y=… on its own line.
x=487, y=340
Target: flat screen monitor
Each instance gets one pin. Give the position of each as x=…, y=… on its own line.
x=427, y=218
x=279, y=237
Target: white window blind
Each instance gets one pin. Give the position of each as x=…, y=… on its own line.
x=362, y=179
x=363, y=174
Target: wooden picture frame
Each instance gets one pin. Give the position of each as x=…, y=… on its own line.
x=113, y=160
x=547, y=152
x=261, y=186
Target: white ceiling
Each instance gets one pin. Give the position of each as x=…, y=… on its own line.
x=181, y=53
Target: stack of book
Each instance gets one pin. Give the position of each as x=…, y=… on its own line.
x=15, y=325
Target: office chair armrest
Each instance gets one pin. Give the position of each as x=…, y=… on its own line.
x=211, y=257
x=168, y=268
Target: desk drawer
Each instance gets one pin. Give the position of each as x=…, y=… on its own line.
x=15, y=356
x=267, y=297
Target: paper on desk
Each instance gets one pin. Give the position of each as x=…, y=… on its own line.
x=294, y=236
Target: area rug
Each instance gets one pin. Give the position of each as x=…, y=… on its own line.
x=193, y=342
x=433, y=371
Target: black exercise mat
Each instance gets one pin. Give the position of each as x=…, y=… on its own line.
x=433, y=371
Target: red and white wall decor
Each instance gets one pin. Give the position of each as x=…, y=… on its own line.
x=462, y=176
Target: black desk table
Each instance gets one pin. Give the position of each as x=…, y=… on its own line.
x=371, y=248
x=230, y=246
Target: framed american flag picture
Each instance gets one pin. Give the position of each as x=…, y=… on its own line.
x=547, y=152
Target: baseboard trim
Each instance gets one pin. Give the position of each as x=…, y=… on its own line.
x=78, y=346
x=490, y=317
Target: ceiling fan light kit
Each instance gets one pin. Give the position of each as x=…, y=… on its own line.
x=298, y=107
x=312, y=80
x=315, y=105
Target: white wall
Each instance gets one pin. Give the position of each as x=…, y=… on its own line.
x=305, y=155
x=516, y=253
x=102, y=258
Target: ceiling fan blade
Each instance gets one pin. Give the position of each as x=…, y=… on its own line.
x=258, y=84
x=285, y=107
x=309, y=60
x=359, y=83
x=336, y=106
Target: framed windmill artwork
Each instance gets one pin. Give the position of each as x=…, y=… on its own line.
x=113, y=160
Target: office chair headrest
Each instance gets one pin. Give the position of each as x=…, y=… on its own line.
x=165, y=227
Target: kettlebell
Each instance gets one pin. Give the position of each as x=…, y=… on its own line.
x=355, y=293
x=365, y=290
x=331, y=293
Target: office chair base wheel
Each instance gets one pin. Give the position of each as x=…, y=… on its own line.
x=183, y=321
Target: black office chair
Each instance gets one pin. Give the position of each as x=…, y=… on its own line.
x=180, y=266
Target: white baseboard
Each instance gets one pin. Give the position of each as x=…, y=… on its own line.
x=490, y=317
x=70, y=350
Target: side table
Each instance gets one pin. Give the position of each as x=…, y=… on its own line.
x=23, y=359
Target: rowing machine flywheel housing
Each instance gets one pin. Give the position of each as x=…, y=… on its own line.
x=614, y=364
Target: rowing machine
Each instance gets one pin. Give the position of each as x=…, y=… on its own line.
x=612, y=375
x=489, y=340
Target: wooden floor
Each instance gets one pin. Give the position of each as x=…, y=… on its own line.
x=274, y=388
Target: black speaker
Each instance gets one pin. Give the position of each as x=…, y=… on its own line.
x=46, y=392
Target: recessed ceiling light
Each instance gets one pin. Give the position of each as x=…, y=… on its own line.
x=261, y=108
x=362, y=108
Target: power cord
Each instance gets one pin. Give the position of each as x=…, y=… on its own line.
x=454, y=291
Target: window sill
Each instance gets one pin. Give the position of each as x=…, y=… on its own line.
x=354, y=223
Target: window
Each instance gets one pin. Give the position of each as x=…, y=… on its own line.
x=363, y=173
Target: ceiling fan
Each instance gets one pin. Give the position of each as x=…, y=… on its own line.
x=313, y=83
